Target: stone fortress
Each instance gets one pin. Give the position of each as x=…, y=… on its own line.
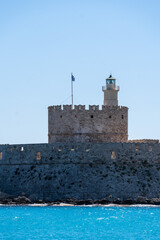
x=88, y=158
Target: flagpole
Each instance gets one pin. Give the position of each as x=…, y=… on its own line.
x=72, y=90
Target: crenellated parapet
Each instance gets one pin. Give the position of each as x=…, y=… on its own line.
x=94, y=107
x=79, y=107
x=56, y=107
x=67, y=107
x=85, y=108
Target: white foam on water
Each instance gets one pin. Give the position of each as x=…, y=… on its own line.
x=100, y=218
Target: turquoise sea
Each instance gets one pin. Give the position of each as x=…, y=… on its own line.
x=52, y=222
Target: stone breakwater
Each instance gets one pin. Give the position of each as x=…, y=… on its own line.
x=80, y=173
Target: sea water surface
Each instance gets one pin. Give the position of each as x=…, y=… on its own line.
x=56, y=222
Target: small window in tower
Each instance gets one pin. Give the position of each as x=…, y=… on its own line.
x=91, y=116
x=150, y=148
x=110, y=116
x=137, y=147
x=38, y=156
x=10, y=149
x=0, y=155
x=22, y=149
x=113, y=155
x=75, y=116
x=61, y=116
x=122, y=116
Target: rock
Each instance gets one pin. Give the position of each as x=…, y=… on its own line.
x=128, y=201
x=80, y=202
x=103, y=201
x=117, y=201
x=68, y=200
x=72, y=201
x=55, y=203
x=5, y=201
x=155, y=201
x=22, y=200
x=88, y=202
x=141, y=200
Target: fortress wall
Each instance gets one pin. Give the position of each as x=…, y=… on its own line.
x=80, y=125
x=81, y=170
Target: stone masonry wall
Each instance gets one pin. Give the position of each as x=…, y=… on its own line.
x=80, y=125
x=59, y=171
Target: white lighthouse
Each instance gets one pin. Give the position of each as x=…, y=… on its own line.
x=110, y=92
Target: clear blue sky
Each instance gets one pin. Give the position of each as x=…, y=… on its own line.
x=42, y=42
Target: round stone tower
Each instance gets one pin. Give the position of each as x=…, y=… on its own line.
x=110, y=92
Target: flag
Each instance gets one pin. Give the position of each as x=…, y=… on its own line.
x=72, y=77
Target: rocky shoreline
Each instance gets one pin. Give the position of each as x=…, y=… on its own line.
x=22, y=200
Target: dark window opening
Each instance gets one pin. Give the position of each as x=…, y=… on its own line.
x=61, y=116
x=110, y=116
x=38, y=156
x=113, y=155
x=122, y=116
x=91, y=116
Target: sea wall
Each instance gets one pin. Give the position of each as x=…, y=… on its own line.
x=55, y=172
